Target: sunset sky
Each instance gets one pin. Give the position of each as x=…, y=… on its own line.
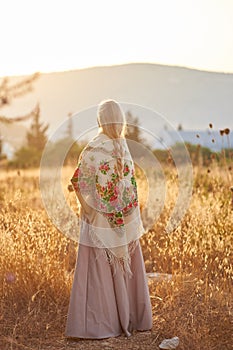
x=70, y=34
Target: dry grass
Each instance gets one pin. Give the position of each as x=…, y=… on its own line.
x=37, y=262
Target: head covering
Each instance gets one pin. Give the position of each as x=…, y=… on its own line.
x=110, y=208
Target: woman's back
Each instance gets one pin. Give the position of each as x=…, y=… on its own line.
x=109, y=293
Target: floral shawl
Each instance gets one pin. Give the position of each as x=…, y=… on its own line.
x=109, y=204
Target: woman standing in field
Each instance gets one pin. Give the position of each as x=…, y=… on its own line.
x=110, y=294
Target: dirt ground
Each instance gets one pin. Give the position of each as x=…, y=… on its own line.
x=138, y=340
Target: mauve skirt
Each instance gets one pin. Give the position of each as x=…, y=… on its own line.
x=105, y=304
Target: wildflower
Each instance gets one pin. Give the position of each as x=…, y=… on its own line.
x=10, y=277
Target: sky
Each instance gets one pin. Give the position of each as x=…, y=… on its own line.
x=48, y=35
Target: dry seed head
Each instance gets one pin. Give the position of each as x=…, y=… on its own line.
x=227, y=131
x=210, y=125
x=221, y=132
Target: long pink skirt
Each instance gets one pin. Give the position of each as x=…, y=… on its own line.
x=105, y=304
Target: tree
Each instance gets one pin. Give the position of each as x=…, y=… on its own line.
x=36, y=136
x=8, y=93
x=69, y=130
x=73, y=151
x=30, y=154
x=132, y=128
x=25, y=157
x=133, y=132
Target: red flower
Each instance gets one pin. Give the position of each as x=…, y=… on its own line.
x=135, y=203
x=119, y=221
x=104, y=167
x=113, y=198
x=110, y=214
x=110, y=184
x=126, y=169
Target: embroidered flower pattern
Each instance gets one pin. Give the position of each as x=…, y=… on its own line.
x=104, y=167
x=126, y=169
x=114, y=197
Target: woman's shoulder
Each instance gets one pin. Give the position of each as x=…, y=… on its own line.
x=98, y=146
x=100, y=142
x=97, y=140
x=103, y=144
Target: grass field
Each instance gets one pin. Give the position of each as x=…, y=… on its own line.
x=37, y=263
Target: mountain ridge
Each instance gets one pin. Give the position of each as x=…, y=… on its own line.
x=119, y=65
x=190, y=97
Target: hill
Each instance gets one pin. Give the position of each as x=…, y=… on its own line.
x=184, y=96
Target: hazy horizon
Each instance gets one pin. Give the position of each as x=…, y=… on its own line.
x=117, y=65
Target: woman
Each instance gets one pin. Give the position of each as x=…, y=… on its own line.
x=110, y=294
